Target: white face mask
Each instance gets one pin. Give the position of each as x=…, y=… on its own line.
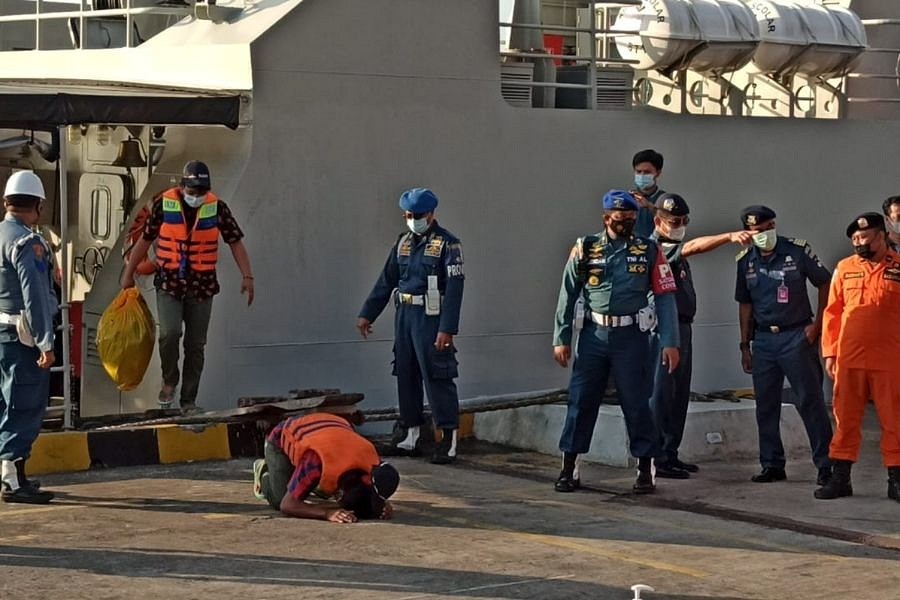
x=676, y=233
x=418, y=226
x=194, y=201
x=765, y=240
x=895, y=226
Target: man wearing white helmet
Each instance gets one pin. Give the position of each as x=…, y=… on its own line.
x=27, y=306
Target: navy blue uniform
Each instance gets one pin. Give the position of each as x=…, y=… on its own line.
x=776, y=287
x=614, y=278
x=416, y=361
x=672, y=391
x=645, y=226
x=25, y=290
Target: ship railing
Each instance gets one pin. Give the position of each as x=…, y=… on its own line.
x=895, y=75
x=85, y=10
x=595, y=60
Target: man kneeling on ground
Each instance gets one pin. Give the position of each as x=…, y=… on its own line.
x=322, y=453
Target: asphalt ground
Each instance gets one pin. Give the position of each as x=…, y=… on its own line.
x=490, y=526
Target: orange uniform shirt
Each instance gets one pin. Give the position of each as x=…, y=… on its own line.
x=861, y=327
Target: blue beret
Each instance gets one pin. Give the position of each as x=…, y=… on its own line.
x=756, y=214
x=673, y=204
x=418, y=200
x=619, y=200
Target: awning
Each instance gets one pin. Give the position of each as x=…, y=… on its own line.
x=36, y=108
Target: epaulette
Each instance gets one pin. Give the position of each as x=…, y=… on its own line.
x=803, y=244
x=742, y=254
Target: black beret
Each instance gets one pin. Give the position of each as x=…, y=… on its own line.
x=756, y=214
x=869, y=220
x=673, y=204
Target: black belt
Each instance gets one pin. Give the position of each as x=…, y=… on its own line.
x=782, y=328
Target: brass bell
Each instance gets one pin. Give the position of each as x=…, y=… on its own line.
x=130, y=155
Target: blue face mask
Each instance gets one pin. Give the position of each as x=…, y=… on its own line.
x=194, y=201
x=644, y=181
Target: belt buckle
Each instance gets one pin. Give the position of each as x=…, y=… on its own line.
x=774, y=328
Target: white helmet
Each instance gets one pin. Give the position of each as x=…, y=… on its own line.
x=26, y=183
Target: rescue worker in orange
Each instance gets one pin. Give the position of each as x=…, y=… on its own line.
x=186, y=222
x=860, y=338
x=322, y=454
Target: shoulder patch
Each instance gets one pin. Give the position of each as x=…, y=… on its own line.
x=798, y=241
x=741, y=254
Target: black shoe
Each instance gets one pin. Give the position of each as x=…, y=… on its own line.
x=668, y=470
x=768, y=475
x=824, y=476
x=398, y=435
x=566, y=483
x=837, y=487
x=894, y=483
x=445, y=450
x=26, y=495
x=644, y=483
x=690, y=468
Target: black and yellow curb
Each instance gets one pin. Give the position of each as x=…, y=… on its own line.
x=69, y=451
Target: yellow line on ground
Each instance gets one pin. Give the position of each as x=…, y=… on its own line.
x=31, y=511
x=611, y=555
x=220, y=516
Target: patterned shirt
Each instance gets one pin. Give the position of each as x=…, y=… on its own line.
x=198, y=286
x=306, y=475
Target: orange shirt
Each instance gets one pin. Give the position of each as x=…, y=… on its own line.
x=861, y=327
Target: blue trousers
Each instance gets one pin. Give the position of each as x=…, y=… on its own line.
x=417, y=362
x=789, y=354
x=622, y=351
x=24, y=394
x=671, y=393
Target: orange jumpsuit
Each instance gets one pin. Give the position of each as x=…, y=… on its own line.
x=861, y=330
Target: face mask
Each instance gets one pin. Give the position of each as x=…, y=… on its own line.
x=417, y=226
x=623, y=228
x=765, y=240
x=644, y=181
x=864, y=251
x=895, y=226
x=194, y=201
x=676, y=233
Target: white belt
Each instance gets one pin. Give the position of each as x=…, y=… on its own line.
x=7, y=319
x=410, y=299
x=612, y=320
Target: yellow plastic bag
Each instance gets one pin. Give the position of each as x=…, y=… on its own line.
x=125, y=339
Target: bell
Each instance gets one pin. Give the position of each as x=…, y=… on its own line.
x=130, y=155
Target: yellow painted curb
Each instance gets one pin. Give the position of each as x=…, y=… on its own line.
x=181, y=444
x=61, y=452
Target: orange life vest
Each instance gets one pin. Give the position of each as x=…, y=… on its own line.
x=177, y=248
x=339, y=447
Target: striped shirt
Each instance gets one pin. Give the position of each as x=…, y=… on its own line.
x=306, y=474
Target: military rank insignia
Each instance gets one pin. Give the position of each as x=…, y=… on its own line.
x=405, y=248
x=434, y=247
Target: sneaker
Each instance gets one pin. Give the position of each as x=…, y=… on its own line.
x=690, y=468
x=260, y=468
x=25, y=495
x=190, y=409
x=166, y=396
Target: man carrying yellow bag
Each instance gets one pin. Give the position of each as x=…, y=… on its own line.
x=125, y=339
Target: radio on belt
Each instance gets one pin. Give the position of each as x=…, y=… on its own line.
x=432, y=297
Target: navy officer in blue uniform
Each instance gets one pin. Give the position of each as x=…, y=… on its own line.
x=779, y=334
x=616, y=273
x=672, y=391
x=424, y=275
x=27, y=307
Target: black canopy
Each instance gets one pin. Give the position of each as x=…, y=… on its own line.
x=44, y=110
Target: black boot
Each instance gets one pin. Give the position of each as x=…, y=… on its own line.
x=824, y=475
x=25, y=492
x=644, y=483
x=894, y=483
x=404, y=441
x=445, y=451
x=839, y=484
x=567, y=482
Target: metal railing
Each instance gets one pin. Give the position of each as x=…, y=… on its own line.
x=593, y=59
x=895, y=76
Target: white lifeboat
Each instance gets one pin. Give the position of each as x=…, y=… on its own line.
x=805, y=38
x=702, y=35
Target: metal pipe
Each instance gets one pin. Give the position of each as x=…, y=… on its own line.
x=112, y=12
x=63, y=200
x=592, y=66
